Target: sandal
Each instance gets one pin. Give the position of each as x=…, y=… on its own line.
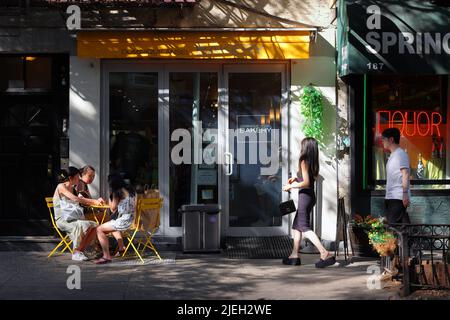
x=102, y=261
x=292, y=261
x=325, y=263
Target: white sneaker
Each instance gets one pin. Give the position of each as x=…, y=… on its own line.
x=79, y=256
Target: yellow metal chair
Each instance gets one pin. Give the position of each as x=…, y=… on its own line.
x=138, y=226
x=148, y=229
x=65, y=240
x=131, y=234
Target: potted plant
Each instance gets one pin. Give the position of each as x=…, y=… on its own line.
x=359, y=234
x=382, y=240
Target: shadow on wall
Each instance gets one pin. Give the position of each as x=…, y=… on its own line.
x=215, y=13
x=84, y=121
x=205, y=13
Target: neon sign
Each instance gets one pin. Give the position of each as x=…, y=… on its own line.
x=424, y=123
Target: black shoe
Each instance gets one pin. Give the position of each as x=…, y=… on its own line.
x=325, y=263
x=292, y=261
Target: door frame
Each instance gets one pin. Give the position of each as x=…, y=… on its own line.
x=125, y=66
x=188, y=67
x=163, y=68
x=283, y=68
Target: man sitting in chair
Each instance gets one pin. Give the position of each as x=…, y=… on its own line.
x=87, y=176
x=122, y=201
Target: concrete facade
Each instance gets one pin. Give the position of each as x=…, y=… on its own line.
x=48, y=34
x=84, y=111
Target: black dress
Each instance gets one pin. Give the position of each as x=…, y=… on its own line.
x=306, y=202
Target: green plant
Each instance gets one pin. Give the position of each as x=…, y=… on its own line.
x=311, y=108
x=364, y=223
x=382, y=240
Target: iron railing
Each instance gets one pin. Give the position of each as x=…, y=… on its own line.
x=424, y=255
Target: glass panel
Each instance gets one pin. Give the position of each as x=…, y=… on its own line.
x=255, y=108
x=417, y=106
x=193, y=97
x=38, y=72
x=133, y=99
x=12, y=73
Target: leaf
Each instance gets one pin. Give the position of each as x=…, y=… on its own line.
x=311, y=109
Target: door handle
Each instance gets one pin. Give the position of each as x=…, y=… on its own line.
x=229, y=163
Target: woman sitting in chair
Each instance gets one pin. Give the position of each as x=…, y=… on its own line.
x=123, y=205
x=69, y=214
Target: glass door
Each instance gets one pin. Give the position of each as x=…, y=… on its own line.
x=192, y=130
x=132, y=130
x=254, y=170
x=133, y=127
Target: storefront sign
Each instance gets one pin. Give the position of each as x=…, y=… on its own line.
x=195, y=44
x=411, y=123
x=382, y=37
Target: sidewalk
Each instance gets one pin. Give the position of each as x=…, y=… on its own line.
x=30, y=275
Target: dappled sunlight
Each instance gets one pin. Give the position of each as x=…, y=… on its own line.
x=80, y=105
x=262, y=45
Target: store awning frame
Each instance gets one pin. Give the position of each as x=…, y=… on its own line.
x=165, y=43
x=393, y=37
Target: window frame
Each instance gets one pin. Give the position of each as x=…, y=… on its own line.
x=373, y=183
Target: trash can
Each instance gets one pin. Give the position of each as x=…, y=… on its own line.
x=201, y=227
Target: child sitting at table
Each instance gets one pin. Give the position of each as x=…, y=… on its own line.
x=123, y=206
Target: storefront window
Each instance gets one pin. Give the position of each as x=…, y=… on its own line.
x=11, y=76
x=134, y=127
x=21, y=73
x=418, y=107
x=193, y=106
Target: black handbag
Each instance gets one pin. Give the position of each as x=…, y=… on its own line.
x=287, y=207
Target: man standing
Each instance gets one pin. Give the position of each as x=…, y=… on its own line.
x=398, y=192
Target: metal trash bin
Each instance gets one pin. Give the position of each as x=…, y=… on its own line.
x=201, y=227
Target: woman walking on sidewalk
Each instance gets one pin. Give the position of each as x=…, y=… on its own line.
x=306, y=176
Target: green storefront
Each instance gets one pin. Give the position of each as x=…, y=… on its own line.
x=394, y=56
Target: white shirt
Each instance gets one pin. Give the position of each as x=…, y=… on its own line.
x=397, y=160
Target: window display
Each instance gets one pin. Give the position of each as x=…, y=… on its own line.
x=418, y=107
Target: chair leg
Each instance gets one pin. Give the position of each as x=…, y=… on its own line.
x=56, y=248
x=149, y=244
x=135, y=250
x=130, y=243
x=154, y=250
x=67, y=247
x=62, y=242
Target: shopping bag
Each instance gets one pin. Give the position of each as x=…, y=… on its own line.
x=150, y=218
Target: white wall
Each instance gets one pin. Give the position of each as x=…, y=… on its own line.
x=84, y=116
x=319, y=70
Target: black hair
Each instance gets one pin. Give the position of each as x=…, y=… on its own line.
x=116, y=186
x=392, y=133
x=310, y=154
x=85, y=169
x=65, y=175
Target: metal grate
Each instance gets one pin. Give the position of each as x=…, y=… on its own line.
x=258, y=247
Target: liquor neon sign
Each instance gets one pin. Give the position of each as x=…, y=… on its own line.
x=424, y=123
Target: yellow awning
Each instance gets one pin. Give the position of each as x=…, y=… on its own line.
x=261, y=45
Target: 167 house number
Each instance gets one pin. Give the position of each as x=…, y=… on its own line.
x=375, y=66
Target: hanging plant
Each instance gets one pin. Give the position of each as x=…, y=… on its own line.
x=311, y=108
